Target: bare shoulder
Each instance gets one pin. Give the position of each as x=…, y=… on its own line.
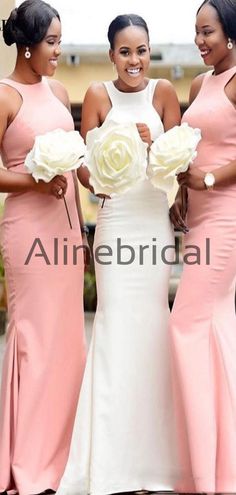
x=165, y=93
x=164, y=96
x=95, y=107
x=166, y=103
x=7, y=105
x=59, y=91
x=5, y=101
x=165, y=87
x=96, y=101
x=7, y=93
x=195, y=87
x=10, y=103
x=96, y=91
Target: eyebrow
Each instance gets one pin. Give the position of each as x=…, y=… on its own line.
x=205, y=26
x=140, y=46
x=52, y=36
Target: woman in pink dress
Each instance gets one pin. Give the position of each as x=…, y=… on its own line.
x=203, y=322
x=45, y=350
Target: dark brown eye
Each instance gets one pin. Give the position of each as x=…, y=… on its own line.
x=142, y=51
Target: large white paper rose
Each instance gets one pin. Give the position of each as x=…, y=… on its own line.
x=55, y=153
x=172, y=153
x=116, y=157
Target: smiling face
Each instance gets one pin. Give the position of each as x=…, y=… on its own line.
x=131, y=56
x=210, y=37
x=44, y=55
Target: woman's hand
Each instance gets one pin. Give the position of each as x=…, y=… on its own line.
x=144, y=133
x=193, y=179
x=179, y=209
x=56, y=187
x=83, y=176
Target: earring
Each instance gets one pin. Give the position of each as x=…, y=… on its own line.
x=114, y=67
x=27, y=52
x=230, y=44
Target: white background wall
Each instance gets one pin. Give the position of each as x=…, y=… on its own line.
x=169, y=21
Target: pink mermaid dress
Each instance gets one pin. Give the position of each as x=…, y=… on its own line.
x=203, y=322
x=45, y=350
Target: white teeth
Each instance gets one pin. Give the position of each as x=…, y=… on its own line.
x=133, y=71
x=53, y=62
x=204, y=52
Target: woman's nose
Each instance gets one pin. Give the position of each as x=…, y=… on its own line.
x=134, y=58
x=58, y=50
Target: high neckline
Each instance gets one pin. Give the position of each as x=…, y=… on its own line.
x=131, y=92
x=24, y=84
x=224, y=72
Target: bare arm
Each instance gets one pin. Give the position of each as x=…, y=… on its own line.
x=61, y=93
x=168, y=106
x=91, y=117
x=78, y=202
x=166, y=103
x=9, y=181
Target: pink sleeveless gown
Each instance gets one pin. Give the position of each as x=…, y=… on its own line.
x=45, y=350
x=203, y=322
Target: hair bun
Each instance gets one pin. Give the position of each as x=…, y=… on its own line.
x=27, y=25
x=9, y=29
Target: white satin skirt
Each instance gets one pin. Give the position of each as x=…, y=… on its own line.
x=123, y=437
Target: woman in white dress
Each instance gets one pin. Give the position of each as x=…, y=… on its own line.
x=123, y=437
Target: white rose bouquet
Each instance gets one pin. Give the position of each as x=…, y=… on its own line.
x=172, y=153
x=55, y=153
x=116, y=157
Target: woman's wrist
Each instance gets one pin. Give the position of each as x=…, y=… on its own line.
x=16, y=182
x=32, y=184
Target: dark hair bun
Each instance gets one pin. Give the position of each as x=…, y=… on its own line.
x=28, y=24
x=9, y=33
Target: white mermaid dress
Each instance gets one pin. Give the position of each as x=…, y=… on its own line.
x=123, y=438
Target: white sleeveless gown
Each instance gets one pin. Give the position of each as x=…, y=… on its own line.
x=123, y=438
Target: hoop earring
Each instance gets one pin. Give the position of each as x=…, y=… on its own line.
x=27, y=52
x=230, y=44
